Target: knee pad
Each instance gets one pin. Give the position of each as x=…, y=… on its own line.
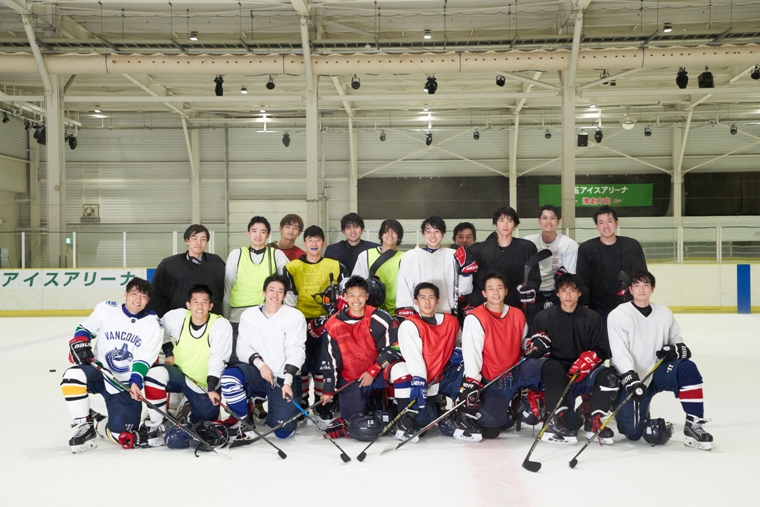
x=607, y=379
x=491, y=431
x=688, y=374
x=74, y=384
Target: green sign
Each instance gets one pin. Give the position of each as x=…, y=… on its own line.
x=611, y=194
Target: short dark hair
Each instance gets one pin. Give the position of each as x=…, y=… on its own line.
x=393, y=225
x=292, y=219
x=551, y=207
x=356, y=281
x=314, y=231
x=259, y=220
x=351, y=219
x=506, y=211
x=141, y=285
x=426, y=285
x=462, y=226
x=276, y=278
x=604, y=210
x=641, y=276
x=195, y=229
x=200, y=288
x=435, y=222
x=569, y=280
x=495, y=274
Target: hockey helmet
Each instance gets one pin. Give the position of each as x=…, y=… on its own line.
x=376, y=292
x=657, y=431
x=364, y=428
x=532, y=408
x=213, y=433
x=328, y=298
x=176, y=438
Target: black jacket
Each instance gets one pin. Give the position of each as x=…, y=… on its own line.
x=176, y=274
x=572, y=333
x=599, y=268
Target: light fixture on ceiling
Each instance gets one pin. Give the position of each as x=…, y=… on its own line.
x=97, y=110
x=40, y=135
x=548, y=134
x=733, y=130
x=286, y=139
x=355, y=83
x=682, y=78
x=476, y=135
x=628, y=122
x=500, y=80
x=243, y=90
x=382, y=135
x=647, y=131
x=429, y=138
x=431, y=85
x=755, y=73
x=262, y=110
x=604, y=75
x=5, y=117
x=218, y=89
x=27, y=125
x=270, y=83
x=705, y=80
x=428, y=35
x=667, y=28
x=193, y=36
x=598, y=135
x=72, y=139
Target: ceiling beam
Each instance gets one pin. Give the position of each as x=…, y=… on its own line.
x=147, y=84
x=340, y=87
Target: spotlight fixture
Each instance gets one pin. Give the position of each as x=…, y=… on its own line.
x=628, y=122
x=429, y=138
x=667, y=28
x=598, y=135
x=355, y=82
x=286, y=139
x=733, y=130
x=431, y=85
x=603, y=75
x=5, y=118
x=193, y=35
x=219, y=80
x=500, y=80
x=270, y=83
x=382, y=135
x=705, y=79
x=40, y=135
x=72, y=141
x=428, y=35
x=27, y=125
x=548, y=134
x=755, y=73
x=476, y=135
x=583, y=139
x=647, y=132
x=243, y=90
x=97, y=110
x=682, y=78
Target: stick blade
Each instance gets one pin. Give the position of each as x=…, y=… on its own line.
x=282, y=454
x=389, y=449
x=573, y=462
x=361, y=456
x=345, y=458
x=531, y=466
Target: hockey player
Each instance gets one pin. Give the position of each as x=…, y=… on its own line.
x=271, y=346
x=464, y=234
x=176, y=274
x=360, y=344
x=290, y=228
x=347, y=251
x=564, y=255
x=640, y=333
x=570, y=339
x=197, y=344
x=600, y=261
x=127, y=341
x=448, y=269
x=491, y=343
x=391, y=233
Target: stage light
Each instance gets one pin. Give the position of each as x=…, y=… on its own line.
x=428, y=35
x=500, y=80
x=382, y=135
x=355, y=82
x=647, y=132
x=598, y=135
x=194, y=36
x=734, y=130
x=431, y=85
x=5, y=118
x=667, y=28
x=429, y=138
x=682, y=78
x=548, y=134
x=72, y=141
x=218, y=88
x=286, y=139
x=243, y=90
x=40, y=135
x=476, y=135
x=270, y=83
x=705, y=80
x=755, y=73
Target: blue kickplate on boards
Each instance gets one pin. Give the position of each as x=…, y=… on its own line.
x=149, y=274
x=743, y=290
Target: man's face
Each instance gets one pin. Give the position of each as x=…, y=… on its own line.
x=199, y=305
x=494, y=291
x=314, y=245
x=390, y=237
x=641, y=292
x=353, y=233
x=275, y=293
x=433, y=237
x=606, y=225
x=568, y=297
x=135, y=301
x=196, y=244
x=258, y=235
x=426, y=302
x=548, y=221
x=465, y=237
x=290, y=232
x=357, y=300
x=505, y=225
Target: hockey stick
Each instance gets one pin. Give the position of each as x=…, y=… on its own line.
x=241, y=421
x=343, y=454
x=455, y=308
x=574, y=461
x=529, y=264
x=535, y=466
x=239, y=443
x=363, y=454
x=451, y=410
x=114, y=382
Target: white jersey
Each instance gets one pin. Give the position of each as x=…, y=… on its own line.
x=279, y=339
x=564, y=254
x=219, y=338
x=439, y=268
x=635, y=339
x=230, y=277
x=127, y=345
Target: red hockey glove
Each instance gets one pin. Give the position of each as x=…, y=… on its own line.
x=586, y=362
x=466, y=264
x=317, y=326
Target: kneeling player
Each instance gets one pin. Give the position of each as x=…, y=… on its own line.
x=640, y=333
x=573, y=340
x=197, y=345
x=128, y=341
x=272, y=342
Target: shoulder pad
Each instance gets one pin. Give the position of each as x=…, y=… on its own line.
x=112, y=303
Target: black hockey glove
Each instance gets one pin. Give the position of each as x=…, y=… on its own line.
x=633, y=385
x=470, y=394
x=80, y=350
x=673, y=352
x=539, y=345
x=527, y=293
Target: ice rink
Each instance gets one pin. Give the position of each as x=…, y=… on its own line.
x=38, y=468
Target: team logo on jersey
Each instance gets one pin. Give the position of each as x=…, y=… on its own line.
x=119, y=360
x=112, y=303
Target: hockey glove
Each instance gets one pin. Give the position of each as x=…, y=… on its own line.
x=560, y=271
x=389, y=355
x=622, y=290
x=466, y=263
x=317, y=326
x=527, y=293
x=539, y=345
x=419, y=391
x=470, y=393
x=633, y=385
x=673, y=352
x=80, y=350
x=456, y=356
x=586, y=362
x=404, y=312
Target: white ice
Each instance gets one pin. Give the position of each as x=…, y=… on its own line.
x=37, y=467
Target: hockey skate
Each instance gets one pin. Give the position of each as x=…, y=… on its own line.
x=557, y=433
x=85, y=437
x=467, y=429
x=592, y=424
x=696, y=436
x=241, y=431
x=154, y=435
x=405, y=427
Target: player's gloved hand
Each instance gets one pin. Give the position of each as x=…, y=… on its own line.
x=389, y=355
x=560, y=271
x=466, y=263
x=470, y=393
x=622, y=290
x=587, y=361
x=404, y=312
x=317, y=326
x=674, y=351
x=539, y=345
x=80, y=350
x=340, y=303
x=527, y=293
x=456, y=356
x=468, y=310
x=419, y=391
x=633, y=385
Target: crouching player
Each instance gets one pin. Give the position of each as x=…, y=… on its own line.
x=272, y=342
x=359, y=345
x=640, y=333
x=573, y=340
x=197, y=345
x=127, y=341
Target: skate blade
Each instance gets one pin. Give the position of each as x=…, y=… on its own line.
x=558, y=440
x=467, y=437
x=602, y=440
x=702, y=446
x=90, y=444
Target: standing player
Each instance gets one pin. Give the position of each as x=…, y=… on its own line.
x=347, y=251
x=391, y=233
x=197, y=344
x=640, y=333
x=271, y=345
x=290, y=228
x=600, y=261
x=464, y=234
x=176, y=274
x=572, y=340
x=128, y=338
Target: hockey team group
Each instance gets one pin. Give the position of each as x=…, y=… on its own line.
x=365, y=340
